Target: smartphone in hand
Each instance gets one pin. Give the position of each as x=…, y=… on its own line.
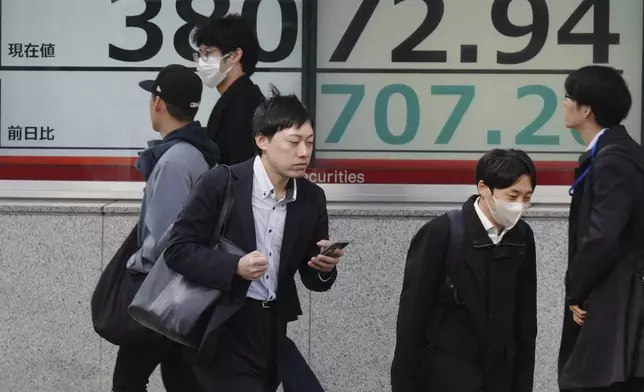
x=330, y=250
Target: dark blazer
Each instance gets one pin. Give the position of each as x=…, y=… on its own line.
x=486, y=339
x=230, y=123
x=188, y=253
x=606, y=249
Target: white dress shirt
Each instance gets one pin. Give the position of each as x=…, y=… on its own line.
x=595, y=139
x=269, y=215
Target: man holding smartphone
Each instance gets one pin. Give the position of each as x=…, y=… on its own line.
x=226, y=53
x=281, y=220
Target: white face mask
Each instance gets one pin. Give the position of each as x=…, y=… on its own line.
x=210, y=71
x=506, y=213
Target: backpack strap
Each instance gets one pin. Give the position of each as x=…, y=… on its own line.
x=456, y=234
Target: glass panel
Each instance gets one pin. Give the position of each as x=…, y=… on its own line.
x=415, y=91
x=71, y=105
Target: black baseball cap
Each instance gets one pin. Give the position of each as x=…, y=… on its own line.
x=177, y=85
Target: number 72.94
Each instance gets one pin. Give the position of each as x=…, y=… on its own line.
x=600, y=39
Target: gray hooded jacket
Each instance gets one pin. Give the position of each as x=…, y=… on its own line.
x=171, y=167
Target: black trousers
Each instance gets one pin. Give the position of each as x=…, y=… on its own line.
x=135, y=364
x=246, y=359
x=449, y=372
x=296, y=374
x=632, y=385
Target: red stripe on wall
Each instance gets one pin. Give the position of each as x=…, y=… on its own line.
x=366, y=171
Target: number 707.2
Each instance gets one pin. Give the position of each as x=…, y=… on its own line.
x=466, y=93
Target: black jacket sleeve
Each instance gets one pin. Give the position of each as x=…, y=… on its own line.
x=420, y=284
x=526, y=320
x=312, y=278
x=189, y=252
x=599, y=249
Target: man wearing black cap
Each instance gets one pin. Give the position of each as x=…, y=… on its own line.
x=170, y=167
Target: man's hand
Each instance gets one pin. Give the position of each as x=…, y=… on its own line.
x=326, y=263
x=252, y=266
x=577, y=314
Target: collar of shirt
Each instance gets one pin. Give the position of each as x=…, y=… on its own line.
x=489, y=227
x=595, y=139
x=265, y=185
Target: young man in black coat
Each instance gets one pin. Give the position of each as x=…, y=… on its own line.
x=227, y=52
x=601, y=346
x=467, y=320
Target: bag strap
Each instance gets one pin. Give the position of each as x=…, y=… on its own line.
x=226, y=206
x=456, y=234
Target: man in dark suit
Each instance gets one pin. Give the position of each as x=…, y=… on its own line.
x=467, y=320
x=227, y=53
x=601, y=345
x=281, y=220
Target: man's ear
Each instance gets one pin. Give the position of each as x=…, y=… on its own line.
x=158, y=104
x=261, y=141
x=480, y=187
x=588, y=112
x=236, y=55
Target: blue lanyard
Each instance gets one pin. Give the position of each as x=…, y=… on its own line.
x=579, y=179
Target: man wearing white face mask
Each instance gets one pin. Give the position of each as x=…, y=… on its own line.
x=467, y=318
x=226, y=55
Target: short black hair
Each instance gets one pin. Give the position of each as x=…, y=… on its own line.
x=604, y=90
x=279, y=112
x=228, y=34
x=180, y=114
x=500, y=168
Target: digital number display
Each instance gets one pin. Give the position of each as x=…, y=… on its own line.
x=250, y=10
x=140, y=32
x=432, y=79
x=423, y=84
x=412, y=116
